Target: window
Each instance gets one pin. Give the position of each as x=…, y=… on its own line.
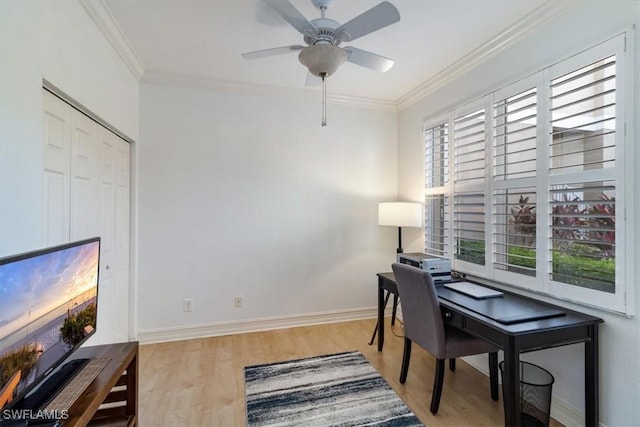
x=586, y=188
x=527, y=186
x=515, y=230
x=469, y=141
x=514, y=148
x=436, y=206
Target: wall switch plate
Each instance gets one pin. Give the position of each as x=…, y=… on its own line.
x=187, y=304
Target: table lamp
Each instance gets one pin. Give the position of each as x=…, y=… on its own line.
x=400, y=214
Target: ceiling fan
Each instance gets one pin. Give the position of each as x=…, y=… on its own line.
x=322, y=54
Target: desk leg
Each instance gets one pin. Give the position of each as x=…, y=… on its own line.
x=375, y=329
x=591, y=378
x=395, y=308
x=381, y=306
x=511, y=384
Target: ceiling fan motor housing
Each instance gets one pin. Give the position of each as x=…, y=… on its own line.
x=326, y=32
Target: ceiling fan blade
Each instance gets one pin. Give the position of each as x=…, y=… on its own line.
x=372, y=20
x=367, y=59
x=293, y=16
x=257, y=54
x=312, y=80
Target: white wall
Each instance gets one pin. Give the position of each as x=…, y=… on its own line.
x=245, y=194
x=56, y=41
x=582, y=26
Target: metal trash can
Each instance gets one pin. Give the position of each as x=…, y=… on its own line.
x=535, y=394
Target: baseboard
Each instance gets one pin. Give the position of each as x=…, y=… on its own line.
x=253, y=325
x=560, y=411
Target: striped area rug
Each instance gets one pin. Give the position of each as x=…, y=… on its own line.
x=334, y=390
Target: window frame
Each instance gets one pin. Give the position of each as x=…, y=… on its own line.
x=539, y=181
x=617, y=301
x=622, y=301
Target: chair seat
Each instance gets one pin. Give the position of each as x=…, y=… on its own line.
x=460, y=344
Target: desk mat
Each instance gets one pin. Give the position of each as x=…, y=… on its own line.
x=507, y=310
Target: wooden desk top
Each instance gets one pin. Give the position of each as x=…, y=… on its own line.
x=481, y=310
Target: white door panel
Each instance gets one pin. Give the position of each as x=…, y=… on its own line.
x=84, y=158
x=56, y=148
x=107, y=205
x=56, y=219
x=86, y=193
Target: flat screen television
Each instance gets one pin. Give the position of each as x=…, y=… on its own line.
x=48, y=308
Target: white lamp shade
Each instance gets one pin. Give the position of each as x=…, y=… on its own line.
x=400, y=214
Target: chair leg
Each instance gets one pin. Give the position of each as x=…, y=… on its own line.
x=452, y=364
x=406, y=355
x=437, y=386
x=493, y=375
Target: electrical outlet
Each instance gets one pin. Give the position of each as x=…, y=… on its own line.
x=237, y=302
x=187, y=304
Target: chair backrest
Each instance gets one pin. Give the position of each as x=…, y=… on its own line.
x=420, y=308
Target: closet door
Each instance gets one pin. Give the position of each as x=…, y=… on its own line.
x=84, y=160
x=57, y=169
x=114, y=223
x=86, y=194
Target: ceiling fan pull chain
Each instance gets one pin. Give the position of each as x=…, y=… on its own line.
x=324, y=101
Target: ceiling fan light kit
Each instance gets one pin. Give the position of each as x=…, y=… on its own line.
x=323, y=55
x=322, y=60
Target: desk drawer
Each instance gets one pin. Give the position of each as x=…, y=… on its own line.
x=452, y=317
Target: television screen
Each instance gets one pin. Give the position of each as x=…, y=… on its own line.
x=48, y=307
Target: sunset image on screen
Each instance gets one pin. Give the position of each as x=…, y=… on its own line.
x=48, y=305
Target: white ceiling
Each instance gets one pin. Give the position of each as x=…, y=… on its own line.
x=203, y=39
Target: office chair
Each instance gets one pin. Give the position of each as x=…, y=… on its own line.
x=423, y=325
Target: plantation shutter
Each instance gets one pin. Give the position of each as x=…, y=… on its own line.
x=583, y=235
x=468, y=187
x=514, y=174
x=436, y=167
x=582, y=165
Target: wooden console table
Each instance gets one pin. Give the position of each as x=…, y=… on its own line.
x=112, y=397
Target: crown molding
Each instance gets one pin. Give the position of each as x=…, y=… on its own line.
x=103, y=18
x=107, y=24
x=499, y=43
x=196, y=82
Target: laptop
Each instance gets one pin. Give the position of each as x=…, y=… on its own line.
x=473, y=290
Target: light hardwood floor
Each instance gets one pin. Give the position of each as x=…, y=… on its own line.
x=200, y=382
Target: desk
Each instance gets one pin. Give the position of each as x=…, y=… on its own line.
x=513, y=339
